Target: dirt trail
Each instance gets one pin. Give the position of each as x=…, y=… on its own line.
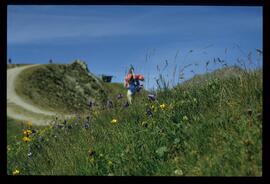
x=14, y=99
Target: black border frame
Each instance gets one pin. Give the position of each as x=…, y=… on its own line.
x=3, y=51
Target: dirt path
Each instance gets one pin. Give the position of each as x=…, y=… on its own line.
x=14, y=100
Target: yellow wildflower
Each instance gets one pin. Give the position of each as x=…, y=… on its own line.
x=162, y=106
x=27, y=132
x=26, y=139
x=16, y=172
x=114, y=121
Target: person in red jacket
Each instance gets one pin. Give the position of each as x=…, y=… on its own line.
x=132, y=84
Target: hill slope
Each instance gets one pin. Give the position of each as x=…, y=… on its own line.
x=61, y=88
x=211, y=129
x=38, y=92
x=17, y=107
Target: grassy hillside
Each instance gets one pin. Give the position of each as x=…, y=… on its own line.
x=213, y=128
x=222, y=73
x=63, y=88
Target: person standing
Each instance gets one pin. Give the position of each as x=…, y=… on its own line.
x=132, y=84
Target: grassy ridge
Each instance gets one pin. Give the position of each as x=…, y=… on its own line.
x=210, y=129
x=63, y=88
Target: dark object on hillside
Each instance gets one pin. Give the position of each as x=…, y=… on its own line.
x=119, y=96
x=109, y=104
x=106, y=78
x=9, y=61
x=152, y=97
x=50, y=61
x=65, y=122
x=69, y=127
x=88, y=118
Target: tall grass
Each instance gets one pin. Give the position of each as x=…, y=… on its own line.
x=206, y=127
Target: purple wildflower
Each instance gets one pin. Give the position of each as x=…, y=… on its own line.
x=152, y=97
x=149, y=112
x=109, y=104
x=86, y=125
x=119, y=96
x=126, y=105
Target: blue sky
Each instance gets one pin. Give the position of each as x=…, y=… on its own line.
x=110, y=38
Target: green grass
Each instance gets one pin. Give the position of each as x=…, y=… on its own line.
x=15, y=132
x=209, y=129
x=57, y=87
x=13, y=129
